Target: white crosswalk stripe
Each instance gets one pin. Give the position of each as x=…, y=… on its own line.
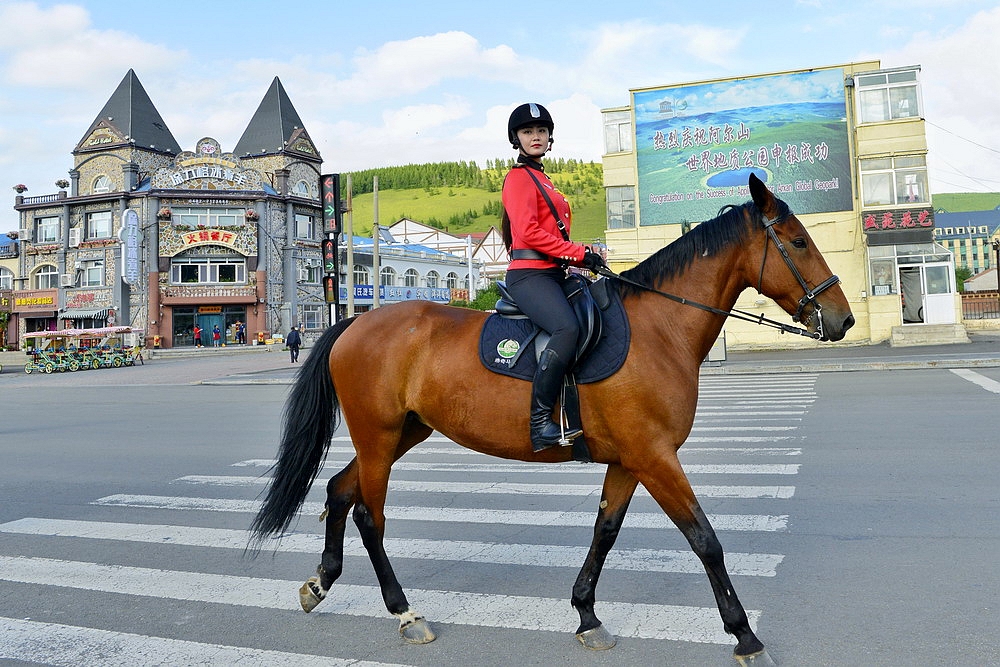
x=69, y=646
x=744, y=453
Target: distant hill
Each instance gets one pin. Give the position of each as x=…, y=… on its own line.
x=963, y=202
x=461, y=197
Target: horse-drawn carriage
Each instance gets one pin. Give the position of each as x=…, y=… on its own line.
x=82, y=349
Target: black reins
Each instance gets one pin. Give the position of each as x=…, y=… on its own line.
x=808, y=297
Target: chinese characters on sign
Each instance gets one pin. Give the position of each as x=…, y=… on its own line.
x=208, y=236
x=130, y=237
x=698, y=144
x=898, y=219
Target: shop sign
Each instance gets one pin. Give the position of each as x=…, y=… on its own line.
x=208, y=310
x=203, y=236
x=36, y=301
x=130, y=237
x=909, y=218
x=78, y=299
x=6, y=301
x=438, y=294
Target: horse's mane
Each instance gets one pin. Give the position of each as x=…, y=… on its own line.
x=729, y=227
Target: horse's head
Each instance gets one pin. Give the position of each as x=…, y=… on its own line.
x=794, y=273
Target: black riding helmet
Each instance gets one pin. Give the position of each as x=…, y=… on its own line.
x=528, y=114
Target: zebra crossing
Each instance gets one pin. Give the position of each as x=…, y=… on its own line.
x=742, y=457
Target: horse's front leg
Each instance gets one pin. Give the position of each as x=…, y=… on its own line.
x=669, y=486
x=341, y=494
x=619, y=486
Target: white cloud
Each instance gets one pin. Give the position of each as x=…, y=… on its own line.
x=960, y=95
x=59, y=48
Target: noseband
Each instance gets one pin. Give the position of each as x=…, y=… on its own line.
x=809, y=296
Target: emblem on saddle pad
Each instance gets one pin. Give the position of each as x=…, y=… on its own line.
x=507, y=349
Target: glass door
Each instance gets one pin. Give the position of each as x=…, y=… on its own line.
x=927, y=293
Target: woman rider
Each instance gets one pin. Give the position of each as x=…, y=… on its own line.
x=536, y=231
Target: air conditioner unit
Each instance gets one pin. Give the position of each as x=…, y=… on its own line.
x=303, y=274
x=74, y=237
x=67, y=280
x=25, y=234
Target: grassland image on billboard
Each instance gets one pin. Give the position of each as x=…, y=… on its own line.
x=697, y=145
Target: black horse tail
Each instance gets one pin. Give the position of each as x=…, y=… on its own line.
x=311, y=415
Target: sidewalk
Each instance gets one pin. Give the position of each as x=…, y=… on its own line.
x=262, y=365
x=982, y=352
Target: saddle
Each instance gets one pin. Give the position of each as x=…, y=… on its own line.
x=510, y=343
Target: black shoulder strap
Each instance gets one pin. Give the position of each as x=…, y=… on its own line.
x=552, y=207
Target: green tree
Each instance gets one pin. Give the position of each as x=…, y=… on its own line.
x=962, y=273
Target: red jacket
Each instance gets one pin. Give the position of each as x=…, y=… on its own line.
x=532, y=225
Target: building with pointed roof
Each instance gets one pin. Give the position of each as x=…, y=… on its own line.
x=168, y=239
x=162, y=238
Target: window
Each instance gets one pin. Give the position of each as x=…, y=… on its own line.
x=102, y=184
x=618, y=132
x=190, y=216
x=410, y=278
x=46, y=277
x=312, y=317
x=894, y=180
x=433, y=278
x=301, y=189
x=212, y=270
x=361, y=275
x=93, y=273
x=387, y=276
x=6, y=278
x=47, y=229
x=99, y=225
x=310, y=273
x=451, y=282
x=888, y=95
x=621, y=207
x=305, y=226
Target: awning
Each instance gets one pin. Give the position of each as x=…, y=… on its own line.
x=85, y=313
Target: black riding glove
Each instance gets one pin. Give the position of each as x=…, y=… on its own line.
x=592, y=261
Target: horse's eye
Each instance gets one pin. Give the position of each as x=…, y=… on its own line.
x=799, y=243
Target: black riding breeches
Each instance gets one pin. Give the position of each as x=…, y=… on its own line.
x=539, y=294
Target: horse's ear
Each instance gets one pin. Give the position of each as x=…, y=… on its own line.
x=762, y=197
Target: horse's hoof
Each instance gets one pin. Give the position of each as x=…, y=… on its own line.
x=597, y=639
x=311, y=594
x=415, y=629
x=759, y=659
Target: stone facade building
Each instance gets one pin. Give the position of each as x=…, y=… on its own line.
x=164, y=238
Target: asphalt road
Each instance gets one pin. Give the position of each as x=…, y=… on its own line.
x=859, y=512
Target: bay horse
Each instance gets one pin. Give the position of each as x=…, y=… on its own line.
x=400, y=372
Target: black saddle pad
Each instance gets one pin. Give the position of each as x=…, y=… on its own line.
x=502, y=338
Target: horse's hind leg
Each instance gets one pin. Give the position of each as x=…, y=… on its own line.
x=341, y=494
x=619, y=486
x=370, y=520
x=666, y=482
x=369, y=515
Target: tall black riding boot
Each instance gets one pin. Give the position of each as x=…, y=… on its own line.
x=545, y=389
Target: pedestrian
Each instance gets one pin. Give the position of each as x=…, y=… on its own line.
x=216, y=336
x=536, y=222
x=241, y=333
x=197, y=336
x=293, y=340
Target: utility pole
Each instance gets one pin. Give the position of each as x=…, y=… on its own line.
x=376, y=264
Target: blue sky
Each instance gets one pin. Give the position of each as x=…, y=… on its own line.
x=387, y=83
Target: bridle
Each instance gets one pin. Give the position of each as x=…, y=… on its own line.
x=809, y=296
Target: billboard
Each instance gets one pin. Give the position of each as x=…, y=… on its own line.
x=696, y=145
